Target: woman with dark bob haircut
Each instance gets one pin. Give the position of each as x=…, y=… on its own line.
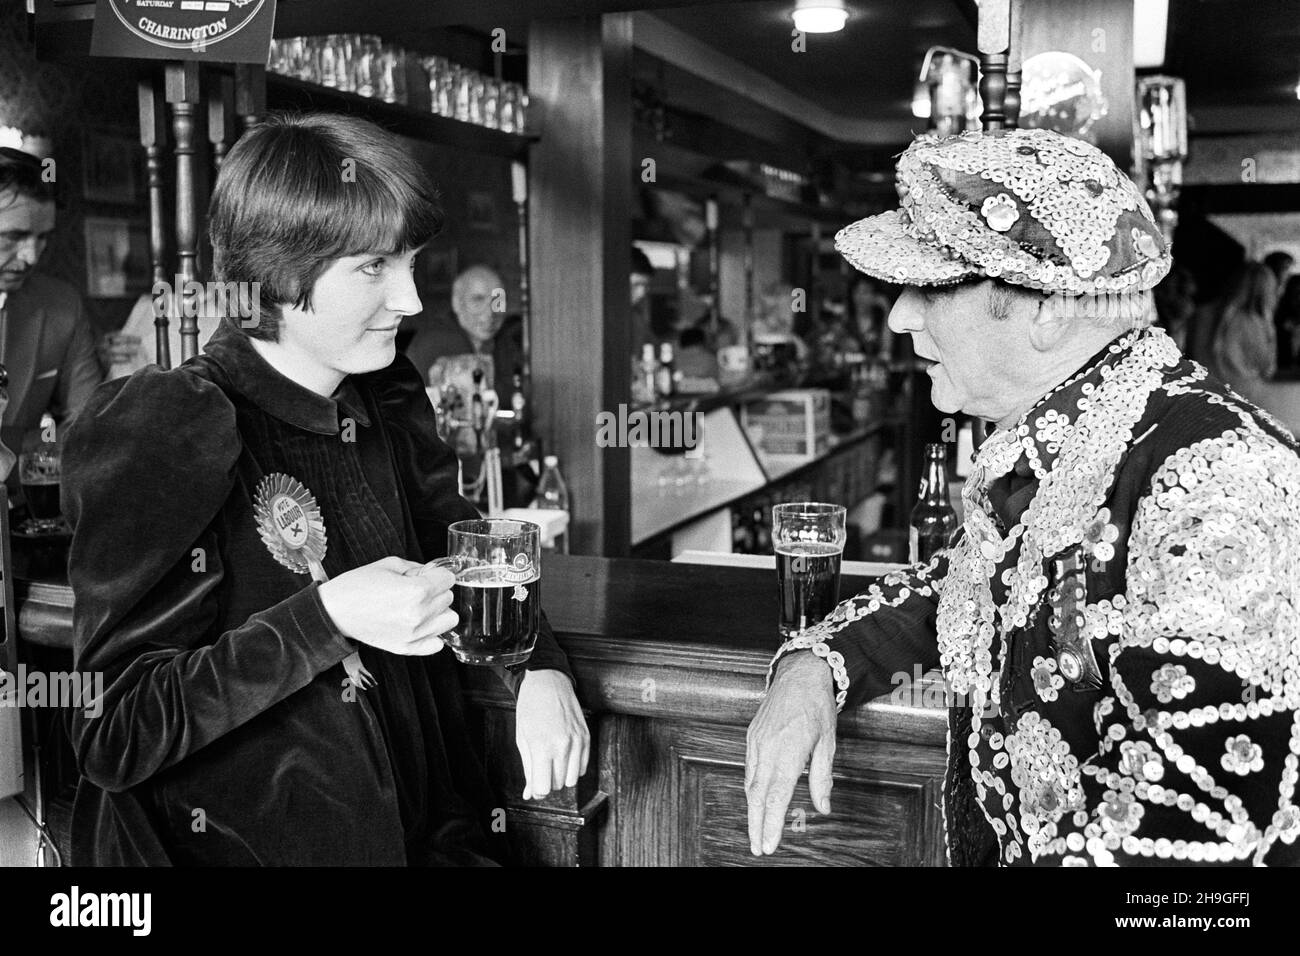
x=250, y=713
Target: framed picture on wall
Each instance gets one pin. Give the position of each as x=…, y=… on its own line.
x=439, y=270
x=117, y=257
x=110, y=167
x=481, y=212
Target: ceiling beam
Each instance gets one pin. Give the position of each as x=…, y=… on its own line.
x=1220, y=120
x=301, y=17
x=684, y=51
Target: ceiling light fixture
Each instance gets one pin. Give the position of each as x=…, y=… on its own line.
x=1150, y=25
x=820, y=16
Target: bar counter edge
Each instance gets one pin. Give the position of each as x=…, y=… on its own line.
x=670, y=662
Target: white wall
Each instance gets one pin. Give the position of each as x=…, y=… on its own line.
x=18, y=837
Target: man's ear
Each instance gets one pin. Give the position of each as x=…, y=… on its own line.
x=1048, y=325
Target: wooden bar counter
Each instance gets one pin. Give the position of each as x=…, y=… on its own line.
x=670, y=661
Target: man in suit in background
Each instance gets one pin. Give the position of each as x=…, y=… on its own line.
x=46, y=341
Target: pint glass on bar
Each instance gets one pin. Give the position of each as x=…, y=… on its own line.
x=498, y=590
x=809, y=541
x=39, y=473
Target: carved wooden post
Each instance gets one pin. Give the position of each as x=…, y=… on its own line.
x=182, y=85
x=747, y=235
x=153, y=137
x=519, y=191
x=1015, y=60
x=250, y=94
x=994, y=36
x=221, y=118
x=715, y=259
x=810, y=303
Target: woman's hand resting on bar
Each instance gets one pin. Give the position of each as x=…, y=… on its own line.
x=551, y=733
x=396, y=605
x=795, y=720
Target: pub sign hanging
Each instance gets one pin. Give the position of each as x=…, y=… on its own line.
x=222, y=31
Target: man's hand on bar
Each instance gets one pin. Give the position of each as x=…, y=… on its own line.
x=551, y=733
x=396, y=605
x=795, y=720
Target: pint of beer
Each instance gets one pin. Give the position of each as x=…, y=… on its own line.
x=39, y=473
x=498, y=590
x=808, y=538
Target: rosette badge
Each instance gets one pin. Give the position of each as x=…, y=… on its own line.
x=291, y=526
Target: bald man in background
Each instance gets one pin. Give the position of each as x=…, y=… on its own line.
x=481, y=328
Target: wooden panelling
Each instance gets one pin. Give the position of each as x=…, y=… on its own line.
x=580, y=192
x=670, y=662
x=558, y=830
x=677, y=796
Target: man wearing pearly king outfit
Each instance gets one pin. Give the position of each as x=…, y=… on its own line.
x=1117, y=618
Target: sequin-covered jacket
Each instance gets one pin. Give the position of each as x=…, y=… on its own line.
x=1118, y=622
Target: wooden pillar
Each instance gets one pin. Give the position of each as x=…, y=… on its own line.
x=1015, y=60
x=519, y=192
x=250, y=94
x=182, y=85
x=713, y=241
x=221, y=117
x=994, y=38
x=580, y=200
x=747, y=263
x=153, y=137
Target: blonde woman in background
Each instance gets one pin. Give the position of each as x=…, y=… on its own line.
x=1244, y=349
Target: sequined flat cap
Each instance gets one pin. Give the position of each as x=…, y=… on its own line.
x=1028, y=206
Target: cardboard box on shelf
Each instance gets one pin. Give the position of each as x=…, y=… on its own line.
x=794, y=424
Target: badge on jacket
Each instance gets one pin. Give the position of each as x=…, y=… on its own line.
x=1074, y=655
x=293, y=530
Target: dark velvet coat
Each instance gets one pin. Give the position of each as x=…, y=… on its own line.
x=228, y=733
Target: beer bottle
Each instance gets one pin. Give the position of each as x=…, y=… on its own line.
x=649, y=372
x=665, y=381
x=519, y=405
x=933, y=519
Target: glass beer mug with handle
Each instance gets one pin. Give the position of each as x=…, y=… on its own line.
x=498, y=590
x=808, y=538
x=39, y=473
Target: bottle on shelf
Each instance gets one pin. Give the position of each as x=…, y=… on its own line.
x=520, y=464
x=762, y=534
x=478, y=418
x=553, y=493
x=648, y=373
x=521, y=431
x=933, y=519
x=862, y=394
x=665, y=384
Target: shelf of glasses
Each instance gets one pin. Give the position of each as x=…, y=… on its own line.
x=288, y=92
